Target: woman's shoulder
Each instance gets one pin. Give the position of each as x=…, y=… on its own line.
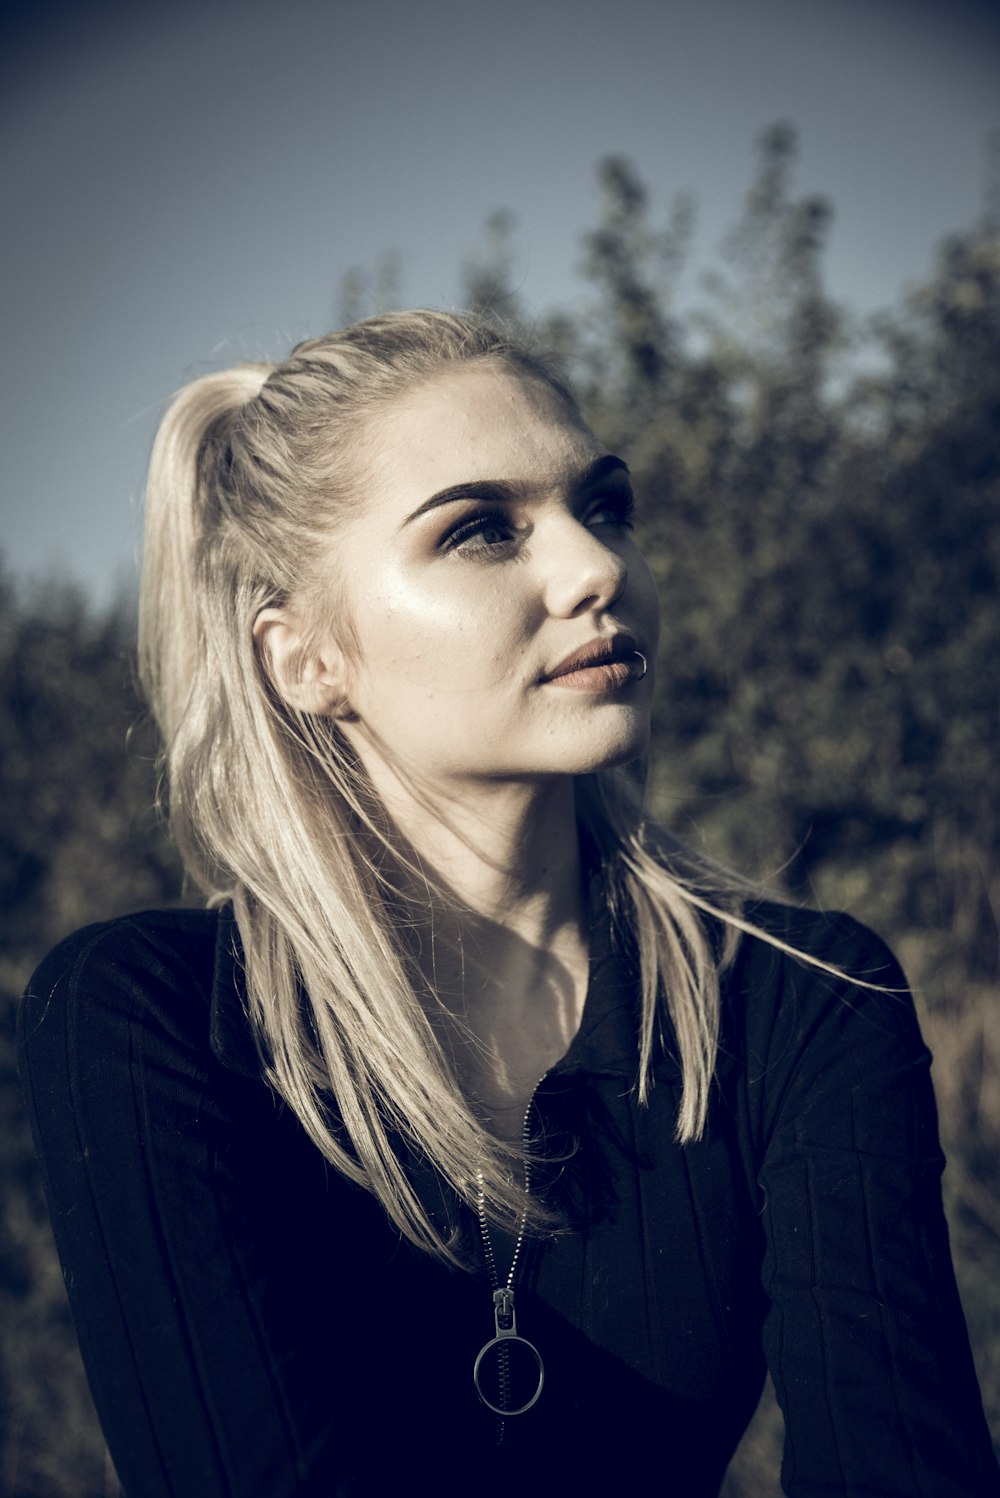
x=774, y=932
x=779, y=933
x=153, y=967
x=156, y=943
x=816, y=1003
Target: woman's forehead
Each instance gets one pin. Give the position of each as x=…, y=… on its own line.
x=482, y=421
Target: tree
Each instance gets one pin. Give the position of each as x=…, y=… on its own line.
x=79, y=841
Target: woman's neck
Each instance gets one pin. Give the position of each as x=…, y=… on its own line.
x=498, y=935
x=502, y=851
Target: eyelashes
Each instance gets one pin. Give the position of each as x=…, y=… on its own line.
x=617, y=504
x=491, y=532
x=487, y=532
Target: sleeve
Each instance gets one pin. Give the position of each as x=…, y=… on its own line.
x=865, y=1336
x=185, y=1216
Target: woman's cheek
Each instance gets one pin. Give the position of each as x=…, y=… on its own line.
x=411, y=636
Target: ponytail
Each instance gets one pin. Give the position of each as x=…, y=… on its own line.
x=171, y=644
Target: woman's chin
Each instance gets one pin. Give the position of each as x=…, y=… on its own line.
x=615, y=745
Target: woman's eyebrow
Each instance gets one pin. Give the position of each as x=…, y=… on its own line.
x=502, y=491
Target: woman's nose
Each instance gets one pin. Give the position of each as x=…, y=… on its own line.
x=582, y=572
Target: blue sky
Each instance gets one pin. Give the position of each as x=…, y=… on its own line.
x=185, y=186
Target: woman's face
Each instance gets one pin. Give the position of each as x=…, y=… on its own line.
x=494, y=545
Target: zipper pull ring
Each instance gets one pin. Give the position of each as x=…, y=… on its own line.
x=496, y=1355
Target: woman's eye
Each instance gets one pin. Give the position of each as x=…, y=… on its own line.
x=614, y=508
x=486, y=534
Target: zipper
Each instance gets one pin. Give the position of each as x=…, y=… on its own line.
x=504, y=1316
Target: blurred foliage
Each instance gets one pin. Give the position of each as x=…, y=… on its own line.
x=79, y=840
x=819, y=500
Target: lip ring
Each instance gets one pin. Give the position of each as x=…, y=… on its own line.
x=645, y=663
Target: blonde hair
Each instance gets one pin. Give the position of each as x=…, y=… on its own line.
x=250, y=471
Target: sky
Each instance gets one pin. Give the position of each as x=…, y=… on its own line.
x=186, y=186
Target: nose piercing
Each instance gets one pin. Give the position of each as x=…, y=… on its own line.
x=642, y=658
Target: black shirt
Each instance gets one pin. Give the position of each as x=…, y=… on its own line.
x=252, y=1325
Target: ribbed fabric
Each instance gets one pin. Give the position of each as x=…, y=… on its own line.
x=252, y=1328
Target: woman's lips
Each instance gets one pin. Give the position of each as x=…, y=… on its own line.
x=603, y=665
x=608, y=678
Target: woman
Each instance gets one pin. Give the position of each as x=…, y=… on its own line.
x=472, y=1136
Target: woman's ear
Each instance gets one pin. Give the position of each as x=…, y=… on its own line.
x=307, y=678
